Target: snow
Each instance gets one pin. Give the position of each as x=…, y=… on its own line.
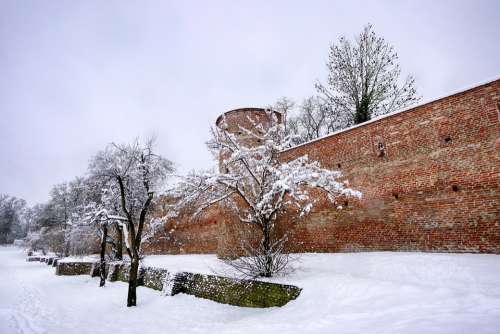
x=381, y=292
x=86, y=258
x=194, y=263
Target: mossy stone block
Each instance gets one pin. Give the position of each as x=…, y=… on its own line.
x=95, y=271
x=154, y=278
x=123, y=272
x=113, y=271
x=73, y=268
x=247, y=293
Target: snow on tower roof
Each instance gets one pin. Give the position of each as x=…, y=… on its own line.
x=242, y=110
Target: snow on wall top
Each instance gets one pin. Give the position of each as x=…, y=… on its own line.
x=407, y=109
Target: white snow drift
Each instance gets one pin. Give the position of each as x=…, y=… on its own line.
x=343, y=293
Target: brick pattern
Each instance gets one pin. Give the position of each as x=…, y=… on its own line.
x=185, y=235
x=433, y=187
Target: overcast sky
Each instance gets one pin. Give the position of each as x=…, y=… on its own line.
x=76, y=75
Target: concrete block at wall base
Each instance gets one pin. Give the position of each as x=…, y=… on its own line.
x=247, y=293
x=122, y=274
x=112, y=271
x=155, y=278
x=73, y=268
x=95, y=271
x=116, y=271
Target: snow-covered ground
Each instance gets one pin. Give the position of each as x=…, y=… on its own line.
x=343, y=293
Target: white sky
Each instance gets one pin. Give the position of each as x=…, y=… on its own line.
x=76, y=75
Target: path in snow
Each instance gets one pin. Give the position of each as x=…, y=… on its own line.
x=343, y=293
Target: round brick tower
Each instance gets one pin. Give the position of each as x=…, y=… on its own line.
x=247, y=118
x=254, y=120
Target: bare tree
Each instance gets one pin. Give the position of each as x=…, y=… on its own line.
x=104, y=220
x=364, y=80
x=258, y=187
x=309, y=120
x=285, y=106
x=59, y=200
x=136, y=173
x=61, y=224
x=70, y=203
x=47, y=228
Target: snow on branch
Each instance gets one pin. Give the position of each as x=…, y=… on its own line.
x=254, y=177
x=258, y=187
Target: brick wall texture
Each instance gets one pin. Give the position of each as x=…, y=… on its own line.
x=433, y=187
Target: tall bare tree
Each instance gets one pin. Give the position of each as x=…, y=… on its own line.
x=364, y=80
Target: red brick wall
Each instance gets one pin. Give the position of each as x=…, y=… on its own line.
x=185, y=234
x=435, y=188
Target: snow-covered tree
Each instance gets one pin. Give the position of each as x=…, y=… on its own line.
x=136, y=173
x=258, y=187
x=58, y=225
x=46, y=231
x=83, y=195
x=364, y=80
x=103, y=219
x=34, y=239
x=60, y=208
x=11, y=218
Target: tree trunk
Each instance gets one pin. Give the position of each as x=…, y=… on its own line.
x=268, y=258
x=66, y=248
x=103, y=254
x=119, y=242
x=132, y=280
x=66, y=240
x=362, y=111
